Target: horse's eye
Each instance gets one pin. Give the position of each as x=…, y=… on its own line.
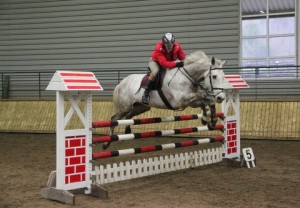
x=214, y=76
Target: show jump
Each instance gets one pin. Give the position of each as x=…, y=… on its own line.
x=74, y=147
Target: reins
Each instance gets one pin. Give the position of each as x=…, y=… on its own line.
x=200, y=81
x=186, y=74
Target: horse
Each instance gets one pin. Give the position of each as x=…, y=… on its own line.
x=198, y=84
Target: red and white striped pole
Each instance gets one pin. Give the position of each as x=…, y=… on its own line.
x=122, y=137
x=116, y=153
x=100, y=124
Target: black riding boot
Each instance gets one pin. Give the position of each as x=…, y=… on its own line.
x=146, y=97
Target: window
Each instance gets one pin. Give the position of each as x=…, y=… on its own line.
x=268, y=37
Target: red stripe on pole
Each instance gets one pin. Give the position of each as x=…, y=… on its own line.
x=186, y=130
x=84, y=87
x=99, y=155
x=185, y=117
x=219, y=138
x=187, y=143
x=148, y=149
x=70, y=74
x=147, y=120
x=102, y=139
x=80, y=80
x=219, y=126
x=101, y=124
x=148, y=134
x=219, y=114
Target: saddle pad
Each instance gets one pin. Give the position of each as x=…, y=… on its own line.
x=158, y=82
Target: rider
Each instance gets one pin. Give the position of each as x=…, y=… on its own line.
x=165, y=54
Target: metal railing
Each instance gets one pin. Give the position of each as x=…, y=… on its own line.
x=265, y=82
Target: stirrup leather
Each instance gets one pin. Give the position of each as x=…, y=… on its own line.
x=146, y=99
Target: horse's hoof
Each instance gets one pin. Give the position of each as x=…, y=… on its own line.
x=204, y=123
x=105, y=145
x=127, y=131
x=211, y=126
x=214, y=120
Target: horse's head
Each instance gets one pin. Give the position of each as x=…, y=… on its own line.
x=215, y=79
x=201, y=68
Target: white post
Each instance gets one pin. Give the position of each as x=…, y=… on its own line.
x=73, y=144
x=88, y=147
x=60, y=146
x=72, y=148
x=231, y=110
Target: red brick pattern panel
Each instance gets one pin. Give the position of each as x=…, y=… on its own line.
x=75, y=159
x=231, y=137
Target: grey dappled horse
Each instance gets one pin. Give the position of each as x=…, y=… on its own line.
x=198, y=84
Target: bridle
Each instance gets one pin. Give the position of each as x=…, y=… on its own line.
x=201, y=82
x=211, y=84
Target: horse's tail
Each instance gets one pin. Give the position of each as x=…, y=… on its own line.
x=116, y=98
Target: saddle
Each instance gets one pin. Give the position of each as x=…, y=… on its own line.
x=159, y=79
x=158, y=84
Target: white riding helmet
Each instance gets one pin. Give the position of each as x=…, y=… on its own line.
x=168, y=38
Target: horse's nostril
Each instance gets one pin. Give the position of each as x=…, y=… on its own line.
x=219, y=99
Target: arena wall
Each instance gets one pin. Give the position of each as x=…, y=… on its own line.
x=259, y=119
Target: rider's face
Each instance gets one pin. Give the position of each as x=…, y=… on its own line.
x=169, y=47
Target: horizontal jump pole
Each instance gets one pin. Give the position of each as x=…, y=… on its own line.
x=99, y=124
x=122, y=137
x=116, y=153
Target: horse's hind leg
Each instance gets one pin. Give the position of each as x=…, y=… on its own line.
x=137, y=109
x=115, y=117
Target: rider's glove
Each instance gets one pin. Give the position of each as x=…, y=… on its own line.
x=180, y=64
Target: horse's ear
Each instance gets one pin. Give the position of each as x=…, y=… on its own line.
x=213, y=61
x=224, y=62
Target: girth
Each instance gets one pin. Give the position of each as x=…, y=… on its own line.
x=157, y=86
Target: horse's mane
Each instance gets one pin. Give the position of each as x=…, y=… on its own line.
x=194, y=57
x=197, y=60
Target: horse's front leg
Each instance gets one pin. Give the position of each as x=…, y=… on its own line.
x=196, y=100
x=209, y=110
x=206, y=113
x=213, y=116
x=193, y=100
x=207, y=104
x=209, y=113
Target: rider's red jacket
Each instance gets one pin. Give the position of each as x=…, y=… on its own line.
x=165, y=59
